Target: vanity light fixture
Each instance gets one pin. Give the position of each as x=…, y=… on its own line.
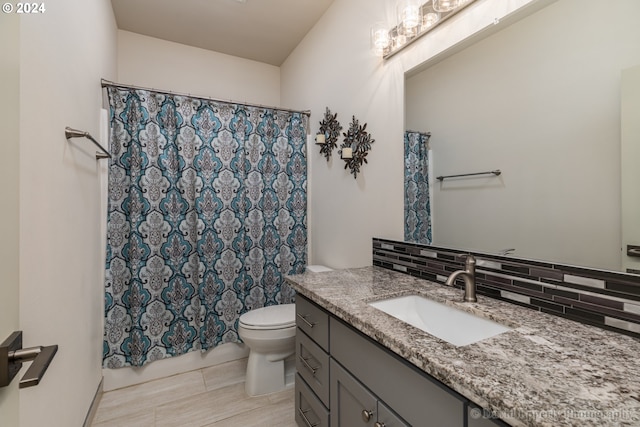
x=414, y=19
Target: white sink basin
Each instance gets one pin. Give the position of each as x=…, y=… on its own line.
x=450, y=324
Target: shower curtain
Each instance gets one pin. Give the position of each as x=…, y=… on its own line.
x=207, y=212
x=417, y=206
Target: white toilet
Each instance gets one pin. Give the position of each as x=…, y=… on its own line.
x=270, y=333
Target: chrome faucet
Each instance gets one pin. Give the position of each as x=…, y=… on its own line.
x=469, y=277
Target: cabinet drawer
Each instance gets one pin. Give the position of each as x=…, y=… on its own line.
x=312, y=363
x=421, y=400
x=313, y=321
x=309, y=410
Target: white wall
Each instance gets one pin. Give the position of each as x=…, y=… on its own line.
x=63, y=54
x=154, y=63
x=163, y=65
x=9, y=194
x=334, y=67
x=539, y=100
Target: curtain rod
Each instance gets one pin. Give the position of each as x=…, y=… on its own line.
x=420, y=132
x=105, y=83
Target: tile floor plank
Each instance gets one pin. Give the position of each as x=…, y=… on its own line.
x=143, y=397
x=210, y=397
x=146, y=418
x=225, y=374
x=205, y=408
x=275, y=415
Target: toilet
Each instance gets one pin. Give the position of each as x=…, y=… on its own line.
x=270, y=334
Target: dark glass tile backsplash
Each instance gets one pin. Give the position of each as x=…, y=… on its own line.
x=605, y=299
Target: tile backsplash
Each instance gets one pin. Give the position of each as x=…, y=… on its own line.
x=606, y=299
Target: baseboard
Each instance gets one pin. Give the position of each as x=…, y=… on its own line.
x=94, y=405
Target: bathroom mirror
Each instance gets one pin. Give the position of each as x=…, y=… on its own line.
x=541, y=101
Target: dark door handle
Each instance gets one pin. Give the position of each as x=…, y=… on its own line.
x=12, y=355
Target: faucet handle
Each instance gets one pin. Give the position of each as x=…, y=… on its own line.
x=470, y=258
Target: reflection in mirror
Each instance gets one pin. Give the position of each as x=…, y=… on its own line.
x=417, y=203
x=539, y=100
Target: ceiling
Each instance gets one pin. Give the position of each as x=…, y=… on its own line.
x=262, y=30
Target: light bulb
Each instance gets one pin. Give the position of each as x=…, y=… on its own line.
x=445, y=5
x=380, y=39
x=409, y=16
x=429, y=20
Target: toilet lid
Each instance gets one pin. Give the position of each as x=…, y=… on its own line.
x=272, y=317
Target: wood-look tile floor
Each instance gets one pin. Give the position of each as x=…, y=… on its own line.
x=210, y=397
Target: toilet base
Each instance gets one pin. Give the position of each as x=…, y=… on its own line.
x=265, y=376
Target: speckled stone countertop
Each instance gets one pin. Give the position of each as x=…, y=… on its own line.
x=547, y=371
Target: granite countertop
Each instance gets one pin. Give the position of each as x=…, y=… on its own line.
x=547, y=371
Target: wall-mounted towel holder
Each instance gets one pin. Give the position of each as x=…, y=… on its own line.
x=74, y=133
x=495, y=172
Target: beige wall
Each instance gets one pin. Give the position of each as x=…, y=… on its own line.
x=539, y=100
x=64, y=53
x=9, y=194
x=154, y=63
x=334, y=67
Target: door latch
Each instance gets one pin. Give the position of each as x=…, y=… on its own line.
x=12, y=355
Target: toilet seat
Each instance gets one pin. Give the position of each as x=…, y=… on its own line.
x=272, y=317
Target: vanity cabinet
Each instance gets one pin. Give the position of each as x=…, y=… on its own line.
x=345, y=379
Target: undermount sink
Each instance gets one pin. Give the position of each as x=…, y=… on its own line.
x=455, y=326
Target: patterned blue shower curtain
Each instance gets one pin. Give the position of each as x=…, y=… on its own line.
x=417, y=206
x=207, y=212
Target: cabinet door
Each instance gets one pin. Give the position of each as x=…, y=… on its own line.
x=386, y=417
x=352, y=405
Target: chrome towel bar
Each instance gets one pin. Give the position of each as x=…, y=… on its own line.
x=74, y=133
x=495, y=172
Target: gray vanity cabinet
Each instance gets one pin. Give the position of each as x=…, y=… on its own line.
x=345, y=379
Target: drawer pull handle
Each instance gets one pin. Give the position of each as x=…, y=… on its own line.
x=304, y=417
x=304, y=319
x=309, y=367
x=379, y=424
x=366, y=415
